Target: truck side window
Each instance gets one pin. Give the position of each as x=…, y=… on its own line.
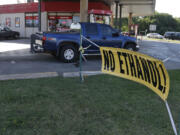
x=91, y=29
x=106, y=31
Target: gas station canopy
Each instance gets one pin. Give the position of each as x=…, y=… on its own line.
x=136, y=7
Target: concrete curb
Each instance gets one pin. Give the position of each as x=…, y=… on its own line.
x=85, y=73
x=46, y=75
x=28, y=76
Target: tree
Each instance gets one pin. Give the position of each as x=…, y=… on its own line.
x=164, y=22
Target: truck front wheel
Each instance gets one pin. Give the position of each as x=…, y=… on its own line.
x=68, y=54
x=130, y=47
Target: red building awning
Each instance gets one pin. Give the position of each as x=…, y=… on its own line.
x=50, y=6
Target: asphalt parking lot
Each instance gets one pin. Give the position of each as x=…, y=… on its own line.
x=168, y=52
x=15, y=58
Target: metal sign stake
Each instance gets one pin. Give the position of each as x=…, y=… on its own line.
x=81, y=49
x=171, y=118
x=179, y=127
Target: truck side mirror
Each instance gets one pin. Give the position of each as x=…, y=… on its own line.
x=115, y=34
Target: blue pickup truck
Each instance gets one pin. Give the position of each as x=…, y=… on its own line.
x=65, y=45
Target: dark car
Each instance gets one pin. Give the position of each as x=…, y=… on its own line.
x=172, y=35
x=177, y=35
x=169, y=35
x=6, y=33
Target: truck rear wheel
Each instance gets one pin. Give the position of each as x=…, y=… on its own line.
x=68, y=54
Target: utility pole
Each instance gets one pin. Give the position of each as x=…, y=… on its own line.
x=39, y=15
x=120, y=17
x=116, y=15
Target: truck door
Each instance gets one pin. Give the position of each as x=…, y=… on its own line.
x=110, y=37
x=91, y=32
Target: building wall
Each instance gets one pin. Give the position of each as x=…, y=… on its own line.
x=44, y=25
x=44, y=21
x=59, y=8
x=24, y=31
x=21, y=29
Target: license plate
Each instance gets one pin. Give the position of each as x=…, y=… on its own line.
x=38, y=42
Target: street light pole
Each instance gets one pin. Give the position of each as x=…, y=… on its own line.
x=39, y=15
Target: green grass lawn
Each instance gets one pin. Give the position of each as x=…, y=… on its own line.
x=102, y=105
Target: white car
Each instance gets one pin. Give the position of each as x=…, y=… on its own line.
x=155, y=35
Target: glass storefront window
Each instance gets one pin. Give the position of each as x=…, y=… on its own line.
x=52, y=23
x=36, y=21
x=104, y=19
x=60, y=23
x=31, y=20
x=64, y=23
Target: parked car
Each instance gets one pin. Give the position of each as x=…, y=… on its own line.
x=172, y=35
x=155, y=35
x=169, y=35
x=65, y=45
x=177, y=35
x=6, y=32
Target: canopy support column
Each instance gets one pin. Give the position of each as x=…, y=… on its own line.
x=39, y=15
x=129, y=22
x=83, y=10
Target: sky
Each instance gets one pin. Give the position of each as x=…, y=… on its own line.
x=163, y=6
x=8, y=1
x=168, y=6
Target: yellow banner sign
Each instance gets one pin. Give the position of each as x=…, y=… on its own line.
x=137, y=67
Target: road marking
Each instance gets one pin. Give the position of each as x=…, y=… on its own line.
x=166, y=59
x=28, y=76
